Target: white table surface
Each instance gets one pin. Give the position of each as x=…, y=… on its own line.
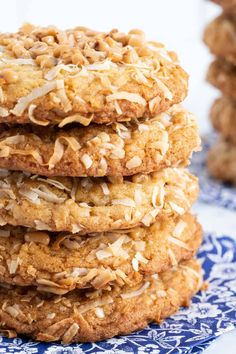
x=179, y=24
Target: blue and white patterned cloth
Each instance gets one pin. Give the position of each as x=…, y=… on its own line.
x=191, y=330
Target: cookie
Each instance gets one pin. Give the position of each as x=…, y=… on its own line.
x=221, y=161
x=50, y=76
x=228, y=6
x=89, y=316
x=98, y=150
x=88, y=205
x=222, y=75
x=223, y=117
x=61, y=262
x=220, y=36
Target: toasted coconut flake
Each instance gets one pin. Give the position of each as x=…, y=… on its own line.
x=13, y=311
x=51, y=315
x=128, y=96
x=191, y=270
x=76, y=118
x=61, y=93
x=117, y=107
x=150, y=217
x=78, y=272
x=40, y=225
x=72, y=142
x=57, y=154
x=177, y=242
x=134, y=162
x=2, y=221
x=99, y=312
x=13, y=264
x=179, y=228
x=47, y=282
x=135, y=264
x=30, y=195
x=107, y=65
x=92, y=305
x=102, y=254
x=5, y=151
x=37, y=92
x=164, y=89
x=52, y=73
x=105, y=188
x=136, y=293
x=76, y=228
x=121, y=274
x=172, y=258
x=19, y=61
x=154, y=196
x=161, y=293
x=116, y=248
x=154, y=103
x=4, y=112
x=70, y=333
x=59, y=149
x=138, y=196
x=54, y=183
x=45, y=193
x=178, y=209
x=87, y=161
x=139, y=246
x=140, y=258
x=103, y=278
x=143, y=127
x=13, y=140
x=125, y=201
x=33, y=119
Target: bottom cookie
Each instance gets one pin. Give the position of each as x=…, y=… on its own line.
x=221, y=161
x=83, y=316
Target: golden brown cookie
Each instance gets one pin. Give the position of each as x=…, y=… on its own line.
x=228, y=6
x=222, y=161
x=85, y=205
x=97, y=150
x=223, y=117
x=50, y=76
x=222, y=75
x=220, y=37
x=60, y=262
x=94, y=315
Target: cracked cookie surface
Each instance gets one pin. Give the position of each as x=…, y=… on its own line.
x=50, y=76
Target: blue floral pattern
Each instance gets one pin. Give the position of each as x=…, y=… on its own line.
x=211, y=190
x=191, y=330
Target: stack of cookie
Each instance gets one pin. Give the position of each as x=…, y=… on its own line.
x=96, y=238
x=220, y=37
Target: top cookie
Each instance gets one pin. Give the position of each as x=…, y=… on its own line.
x=79, y=75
